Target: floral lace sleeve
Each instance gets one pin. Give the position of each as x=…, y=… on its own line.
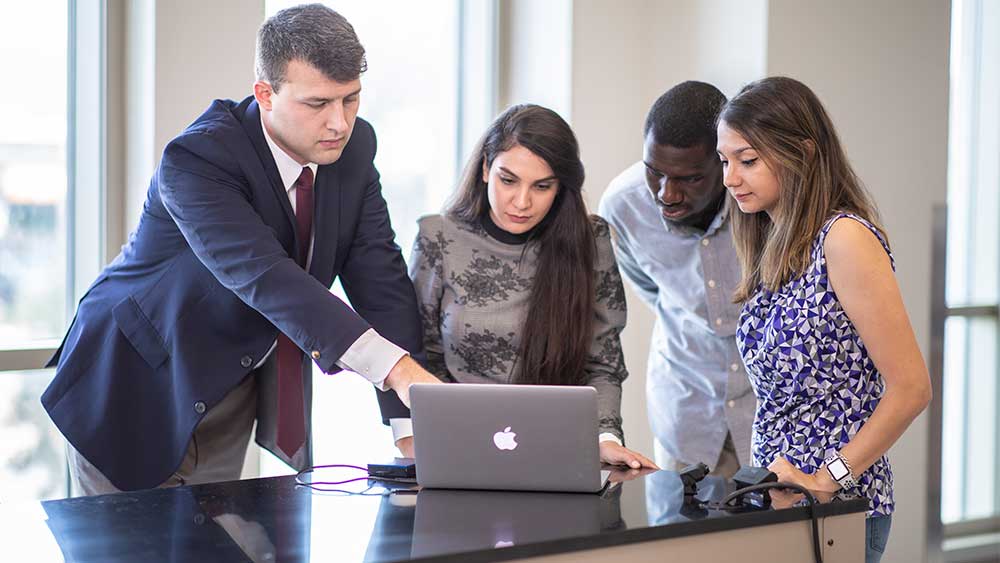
x=427, y=272
x=606, y=363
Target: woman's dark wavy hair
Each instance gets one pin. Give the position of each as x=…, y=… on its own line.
x=558, y=327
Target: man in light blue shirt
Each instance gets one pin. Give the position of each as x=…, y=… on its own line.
x=669, y=213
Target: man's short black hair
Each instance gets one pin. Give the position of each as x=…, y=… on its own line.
x=684, y=116
x=311, y=33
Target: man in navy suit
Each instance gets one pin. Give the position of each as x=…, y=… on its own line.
x=219, y=303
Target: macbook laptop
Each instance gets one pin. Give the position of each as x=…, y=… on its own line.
x=506, y=437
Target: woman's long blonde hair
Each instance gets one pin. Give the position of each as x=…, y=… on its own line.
x=784, y=121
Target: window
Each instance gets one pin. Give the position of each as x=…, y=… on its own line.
x=33, y=218
x=429, y=93
x=50, y=236
x=970, y=443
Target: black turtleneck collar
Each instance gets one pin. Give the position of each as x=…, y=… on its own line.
x=503, y=236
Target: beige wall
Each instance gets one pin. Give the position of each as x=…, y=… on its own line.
x=535, y=42
x=181, y=54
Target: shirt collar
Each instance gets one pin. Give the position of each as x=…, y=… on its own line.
x=288, y=168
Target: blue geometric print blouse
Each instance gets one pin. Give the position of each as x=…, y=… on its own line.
x=815, y=384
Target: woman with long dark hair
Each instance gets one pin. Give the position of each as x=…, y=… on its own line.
x=823, y=331
x=516, y=283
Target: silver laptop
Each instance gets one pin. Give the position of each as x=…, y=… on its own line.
x=506, y=437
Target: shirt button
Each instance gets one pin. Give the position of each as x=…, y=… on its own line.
x=730, y=403
x=315, y=354
x=735, y=367
x=246, y=361
x=704, y=242
x=718, y=322
x=711, y=283
x=199, y=407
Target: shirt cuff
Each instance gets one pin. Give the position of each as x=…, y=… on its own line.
x=609, y=437
x=401, y=428
x=372, y=357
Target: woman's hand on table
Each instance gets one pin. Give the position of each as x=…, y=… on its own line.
x=614, y=453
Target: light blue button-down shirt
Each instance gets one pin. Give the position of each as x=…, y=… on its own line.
x=696, y=385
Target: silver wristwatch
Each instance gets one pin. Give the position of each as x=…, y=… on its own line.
x=840, y=471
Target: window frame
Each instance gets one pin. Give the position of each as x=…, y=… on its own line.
x=86, y=166
x=946, y=541
x=975, y=538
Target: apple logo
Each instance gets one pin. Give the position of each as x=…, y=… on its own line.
x=504, y=440
x=503, y=543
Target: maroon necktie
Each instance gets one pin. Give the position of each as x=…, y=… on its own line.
x=291, y=398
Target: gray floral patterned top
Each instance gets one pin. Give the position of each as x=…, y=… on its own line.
x=473, y=290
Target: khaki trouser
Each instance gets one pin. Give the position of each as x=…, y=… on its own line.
x=215, y=453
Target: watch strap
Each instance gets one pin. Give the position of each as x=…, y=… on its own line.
x=847, y=481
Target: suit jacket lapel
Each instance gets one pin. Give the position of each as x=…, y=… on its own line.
x=326, y=207
x=253, y=127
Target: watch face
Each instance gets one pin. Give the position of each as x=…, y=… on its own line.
x=838, y=470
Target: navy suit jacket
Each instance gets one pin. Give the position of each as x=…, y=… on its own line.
x=200, y=290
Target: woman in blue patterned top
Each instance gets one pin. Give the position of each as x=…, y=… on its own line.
x=823, y=331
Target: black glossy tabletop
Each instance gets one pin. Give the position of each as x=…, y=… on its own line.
x=275, y=520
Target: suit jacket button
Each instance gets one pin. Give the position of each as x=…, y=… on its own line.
x=315, y=354
x=199, y=407
x=246, y=361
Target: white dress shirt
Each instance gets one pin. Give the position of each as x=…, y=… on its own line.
x=371, y=355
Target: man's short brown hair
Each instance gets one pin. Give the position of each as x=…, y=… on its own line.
x=311, y=33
